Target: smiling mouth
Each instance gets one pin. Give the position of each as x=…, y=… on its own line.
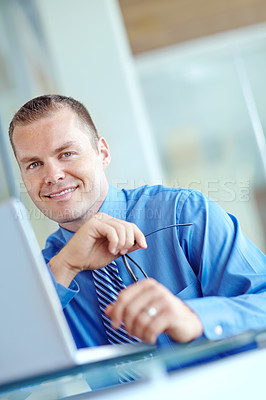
x=62, y=192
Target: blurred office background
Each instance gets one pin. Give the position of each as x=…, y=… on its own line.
x=177, y=87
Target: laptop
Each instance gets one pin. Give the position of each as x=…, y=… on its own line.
x=35, y=338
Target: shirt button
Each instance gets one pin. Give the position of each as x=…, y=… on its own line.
x=218, y=330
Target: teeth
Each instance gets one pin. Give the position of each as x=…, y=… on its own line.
x=63, y=192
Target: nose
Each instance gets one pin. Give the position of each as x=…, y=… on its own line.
x=53, y=173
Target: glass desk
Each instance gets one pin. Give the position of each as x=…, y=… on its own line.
x=89, y=381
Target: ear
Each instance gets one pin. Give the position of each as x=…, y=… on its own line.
x=104, y=152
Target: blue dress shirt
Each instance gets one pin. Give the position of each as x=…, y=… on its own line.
x=211, y=265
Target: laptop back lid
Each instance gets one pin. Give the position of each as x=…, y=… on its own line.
x=34, y=335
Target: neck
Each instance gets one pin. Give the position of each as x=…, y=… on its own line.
x=74, y=225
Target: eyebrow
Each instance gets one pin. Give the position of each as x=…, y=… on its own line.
x=27, y=160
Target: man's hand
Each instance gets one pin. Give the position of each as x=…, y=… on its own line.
x=171, y=315
x=94, y=245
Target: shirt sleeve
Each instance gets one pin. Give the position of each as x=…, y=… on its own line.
x=230, y=268
x=53, y=245
x=65, y=294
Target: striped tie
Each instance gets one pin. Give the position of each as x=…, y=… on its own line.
x=108, y=284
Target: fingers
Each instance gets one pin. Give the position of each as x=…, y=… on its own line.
x=131, y=309
x=125, y=303
x=122, y=236
x=95, y=244
x=171, y=315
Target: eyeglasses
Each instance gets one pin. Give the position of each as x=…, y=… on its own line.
x=126, y=256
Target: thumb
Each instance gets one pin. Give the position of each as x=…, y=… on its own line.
x=108, y=310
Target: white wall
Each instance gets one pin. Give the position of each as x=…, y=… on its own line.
x=203, y=122
x=80, y=49
x=93, y=63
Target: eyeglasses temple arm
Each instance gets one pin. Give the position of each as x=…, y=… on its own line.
x=133, y=276
x=167, y=227
x=137, y=265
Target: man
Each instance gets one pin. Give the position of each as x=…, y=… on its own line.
x=205, y=276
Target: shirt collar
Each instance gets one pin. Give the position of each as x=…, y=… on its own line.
x=114, y=205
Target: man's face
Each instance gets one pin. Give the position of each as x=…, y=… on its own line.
x=63, y=173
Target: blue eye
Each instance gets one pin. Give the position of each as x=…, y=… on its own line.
x=67, y=154
x=33, y=165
